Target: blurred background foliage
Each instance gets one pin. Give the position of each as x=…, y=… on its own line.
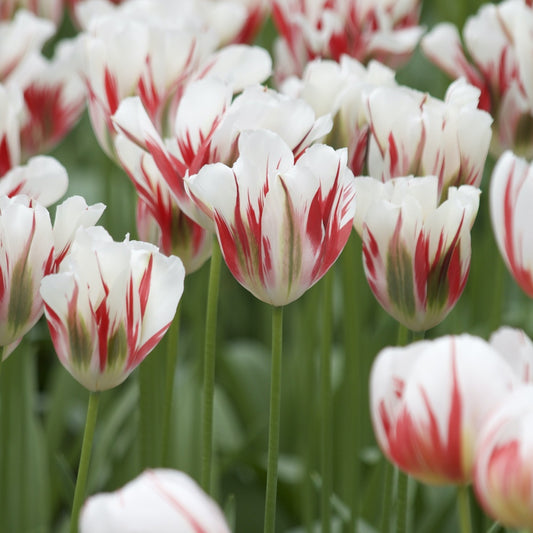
x=41, y=431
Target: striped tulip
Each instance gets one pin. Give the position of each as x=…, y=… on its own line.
x=109, y=305
x=414, y=133
x=503, y=478
x=30, y=249
x=496, y=58
x=162, y=500
x=416, y=252
x=280, y=222
x=159, y=219
x=429, y=400
x=511, y=189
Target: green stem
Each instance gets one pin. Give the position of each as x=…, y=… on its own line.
x=274, y=420
x=463, y=509
x=172, y=361
x=83, y=469
x=387, y=498
x=326, y=404
x=401, y=502
x=209, y=366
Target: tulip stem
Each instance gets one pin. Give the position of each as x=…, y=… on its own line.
x=401, y=502
x=463, y=509
x=387, y=497
x=325, y=393
x=83, y=469
x=209, y=367
x=172, y=360
x=274, y=420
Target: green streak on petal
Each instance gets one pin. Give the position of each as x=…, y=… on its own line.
x=437, y=287
x=117, y=347
x=81, y=345
x=21, y=297
x=400, y=279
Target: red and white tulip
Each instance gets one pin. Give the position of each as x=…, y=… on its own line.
x=280, y=222
x=429, y=401
x=511, y=188
x=416, y=252
x=159, y=219
x=31, y=249
x=498, y=42
x=413, y=133
x=109, y=305
x=309, y=29
x=503, y=478
x=162, y=500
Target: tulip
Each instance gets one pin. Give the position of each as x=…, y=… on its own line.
x=413, y=133
x=503, y=479
x=43, y=179
x=416, y=253
x=341, y=89
x=280, y=223
x=109, y=305
x=382, y=30
x=496, y=59
x=429, y=400
x=162, y=500
x=159, y=219
x=20, y=37
x=54, y=95
x=517, y=349
x=11, y=115
x=511, y=187
x=30, y=250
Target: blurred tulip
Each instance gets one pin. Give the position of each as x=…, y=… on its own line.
x=340, y=88
x=413, y=133
x=309, y=29
x=162, y=500
x=503, y=478
x=517, y=349
x=12, y=113
x=23, y=35
x=54, y=97
x=281, y=223
x=30, y=250
x=109, y=305
x=511, y=188
x=416, y=252
x=159, y=219
x=429, y=400
x=499, y=41
x=43, y=179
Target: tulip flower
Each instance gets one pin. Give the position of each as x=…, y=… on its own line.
x=280, y=223
x=162, y=500
x=511, y=187
x=517, y=349
x=340, y=89
x=496, y=58
x=43, y=179
x=54, y=95
x=413, y=133
x=429, y=400
x=383, y=30
x=503, y=479
x=31, y=249
x=109, y=305
x=416, y=252
x=12, y=111
x=159, y=219
x=20, y=37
